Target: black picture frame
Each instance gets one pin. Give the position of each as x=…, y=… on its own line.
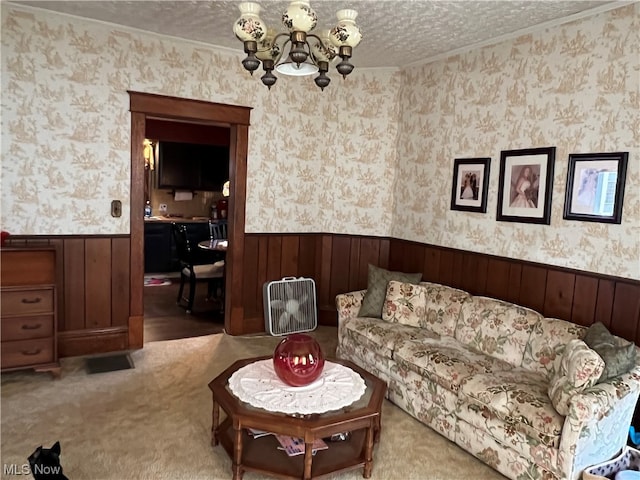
x=470, y=184
x=526, y=185
x=590, y=180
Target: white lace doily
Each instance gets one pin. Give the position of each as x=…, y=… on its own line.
x=258, y=385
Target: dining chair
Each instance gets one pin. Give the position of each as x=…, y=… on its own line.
x=218, y=229
x=212, y=273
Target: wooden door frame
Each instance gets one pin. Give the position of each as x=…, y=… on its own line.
x=236, y=118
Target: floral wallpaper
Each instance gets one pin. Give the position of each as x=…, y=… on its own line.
x=371, y=155
x=317, y=162
x=575, y=87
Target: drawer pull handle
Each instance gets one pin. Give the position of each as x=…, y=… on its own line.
x=35, y=300
x=32, y=352
x=31, y=327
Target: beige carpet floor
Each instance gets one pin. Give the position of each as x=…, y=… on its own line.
x=153, y=421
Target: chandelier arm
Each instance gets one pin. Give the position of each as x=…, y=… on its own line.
x=318, y=39
x=282, y=34
x=284, y=45
x=313, y=60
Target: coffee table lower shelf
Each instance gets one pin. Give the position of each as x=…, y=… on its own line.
x=261, y=455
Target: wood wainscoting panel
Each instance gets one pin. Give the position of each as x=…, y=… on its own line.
x=626, y=311
x=323, y=274
x=500, y=276
x=584, y=300
x=93, y=278
x=533, y=286
x=96, y=282
x=573, y=295
x=445, y=272
x=558, y=301
x=72, y=316
x=340, y=266
x=97, y=289
x=604, y=302
x=97, y=301
x=337, y=264
x=515, y=281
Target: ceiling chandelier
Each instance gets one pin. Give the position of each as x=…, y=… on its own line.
x=261, y=44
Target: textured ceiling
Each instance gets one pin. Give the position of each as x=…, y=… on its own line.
x=395, y=32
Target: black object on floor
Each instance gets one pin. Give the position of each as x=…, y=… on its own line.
x=109, y=363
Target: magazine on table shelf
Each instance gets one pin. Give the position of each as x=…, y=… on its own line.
x=255, y=433
x=295, y=446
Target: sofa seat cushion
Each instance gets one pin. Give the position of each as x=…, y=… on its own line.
x=429, y=403
x=497, y=328
x=444, y=361
x=519, y=399
x=380, y=336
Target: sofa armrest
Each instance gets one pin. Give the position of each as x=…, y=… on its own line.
x=348, y=304
x=597, y=425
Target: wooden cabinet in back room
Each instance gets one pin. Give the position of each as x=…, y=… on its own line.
x=160, y=254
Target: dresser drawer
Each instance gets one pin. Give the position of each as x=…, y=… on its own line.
x=27, y=352
x=24, y=328
x=27, y=301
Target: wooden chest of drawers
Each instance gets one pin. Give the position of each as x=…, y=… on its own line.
x=28, y=326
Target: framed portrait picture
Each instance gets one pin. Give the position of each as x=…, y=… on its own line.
x=470, y=180
x=525, y=185
x=595, y=187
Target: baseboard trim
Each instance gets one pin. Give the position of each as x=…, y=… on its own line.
x=88, y=342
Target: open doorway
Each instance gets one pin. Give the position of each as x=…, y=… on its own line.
x=145, y=106
x=186, y=170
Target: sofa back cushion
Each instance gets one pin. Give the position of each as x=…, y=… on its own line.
x=443, y=308
x=547, y=342
x=405, y=303
x=426, y=305
x=495, y=327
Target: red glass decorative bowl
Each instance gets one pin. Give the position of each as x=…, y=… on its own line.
x=298, y=360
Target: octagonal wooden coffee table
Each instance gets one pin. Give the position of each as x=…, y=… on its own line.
x=361, y=419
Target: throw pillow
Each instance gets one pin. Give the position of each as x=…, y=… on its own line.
x=405, y=303
x=377, y=283
x=579, y=368
x=618, y=354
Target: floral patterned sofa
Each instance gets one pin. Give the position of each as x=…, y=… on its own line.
x=479, y=370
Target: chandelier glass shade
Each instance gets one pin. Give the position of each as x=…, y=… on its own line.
x=308, y=53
